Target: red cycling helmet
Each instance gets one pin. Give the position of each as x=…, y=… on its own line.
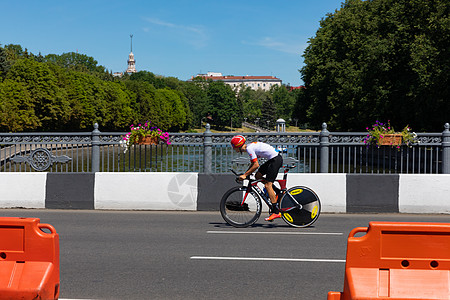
x=238, y=141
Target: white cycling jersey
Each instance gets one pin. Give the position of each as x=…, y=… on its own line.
x=259, y=149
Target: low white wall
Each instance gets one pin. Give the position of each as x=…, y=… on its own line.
x=157, y=191
x=417, y=193
x=22, y=190
x=424, y=193
x=331, y=189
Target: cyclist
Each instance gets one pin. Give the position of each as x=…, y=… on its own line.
x=270, y=168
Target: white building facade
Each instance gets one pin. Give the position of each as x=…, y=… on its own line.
x=253, y=82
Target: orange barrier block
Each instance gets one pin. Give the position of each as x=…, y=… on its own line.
x=29, y=259
x=397, y=261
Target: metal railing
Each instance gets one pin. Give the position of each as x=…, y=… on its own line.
x=207, y=152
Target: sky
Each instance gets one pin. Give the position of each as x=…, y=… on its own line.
x=172, y=38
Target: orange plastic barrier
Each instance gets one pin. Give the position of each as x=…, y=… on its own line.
x=397, y=261
x=29, y=259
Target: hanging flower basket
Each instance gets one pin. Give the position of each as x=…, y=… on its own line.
x=390, y=140
x=144, y=135
x=382, y=134
x=147, y=140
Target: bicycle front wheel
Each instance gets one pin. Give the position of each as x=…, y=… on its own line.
x=300, y=206
x=239, y=208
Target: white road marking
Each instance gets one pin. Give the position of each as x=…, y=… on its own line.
x=268, y=259
x=274, y=232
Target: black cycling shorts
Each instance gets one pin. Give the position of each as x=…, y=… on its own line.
x=271, y=167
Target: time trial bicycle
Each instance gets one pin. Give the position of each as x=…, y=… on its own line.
x=241, y=205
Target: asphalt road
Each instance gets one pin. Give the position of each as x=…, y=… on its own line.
x=195, y=255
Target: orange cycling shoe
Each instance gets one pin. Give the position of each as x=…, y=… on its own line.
x=273, y=217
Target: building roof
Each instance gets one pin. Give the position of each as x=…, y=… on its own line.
x=238, y=78
x=291, y=88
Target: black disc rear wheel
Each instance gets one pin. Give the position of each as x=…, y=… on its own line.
x=300, y=216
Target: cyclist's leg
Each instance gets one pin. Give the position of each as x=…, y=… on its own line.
x=271, y=168
x=272, y=173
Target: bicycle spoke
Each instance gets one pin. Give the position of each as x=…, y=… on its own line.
x=287, y=209
x=240, y=208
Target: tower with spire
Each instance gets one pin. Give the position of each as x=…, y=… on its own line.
x=131, y=62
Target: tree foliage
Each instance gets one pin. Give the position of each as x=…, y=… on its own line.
x=380, y=59
x=71, y=92
x=283, y=101
x=78, y=62
x=222, y=105
x=4, y=64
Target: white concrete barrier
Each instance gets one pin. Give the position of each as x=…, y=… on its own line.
x=22, y=190
x=152, y=191
x=414, y=193
x=424, y=193
x=331, y=189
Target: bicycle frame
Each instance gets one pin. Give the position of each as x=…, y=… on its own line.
x=240, y=206
x=253, y=186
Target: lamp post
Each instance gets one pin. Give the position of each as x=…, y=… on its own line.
x=206, y=118
x=201, y=122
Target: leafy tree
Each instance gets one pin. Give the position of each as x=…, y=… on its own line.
x=4, y=63
x=380, y=59
x=85, y=94
x=172, y=83
x=16, y=108
x=222, y=106
x=119, y=112
x=197, y=101
x=172, y=114
x=250, y=103
x=302, y=103
x=166, y=108
x=92, y=100
x=14, y=52
x=78, y=62
x=284, y=102
x=157, y=81
x=144, y=104
x=268, y=110
x=49, y=99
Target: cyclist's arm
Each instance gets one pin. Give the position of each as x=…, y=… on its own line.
x=253, y=167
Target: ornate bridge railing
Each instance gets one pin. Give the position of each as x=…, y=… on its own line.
x=314, y=152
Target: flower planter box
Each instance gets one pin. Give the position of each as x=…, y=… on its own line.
x=390, y=140
x=148, y=140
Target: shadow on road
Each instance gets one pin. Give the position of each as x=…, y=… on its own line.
x=257, y=225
